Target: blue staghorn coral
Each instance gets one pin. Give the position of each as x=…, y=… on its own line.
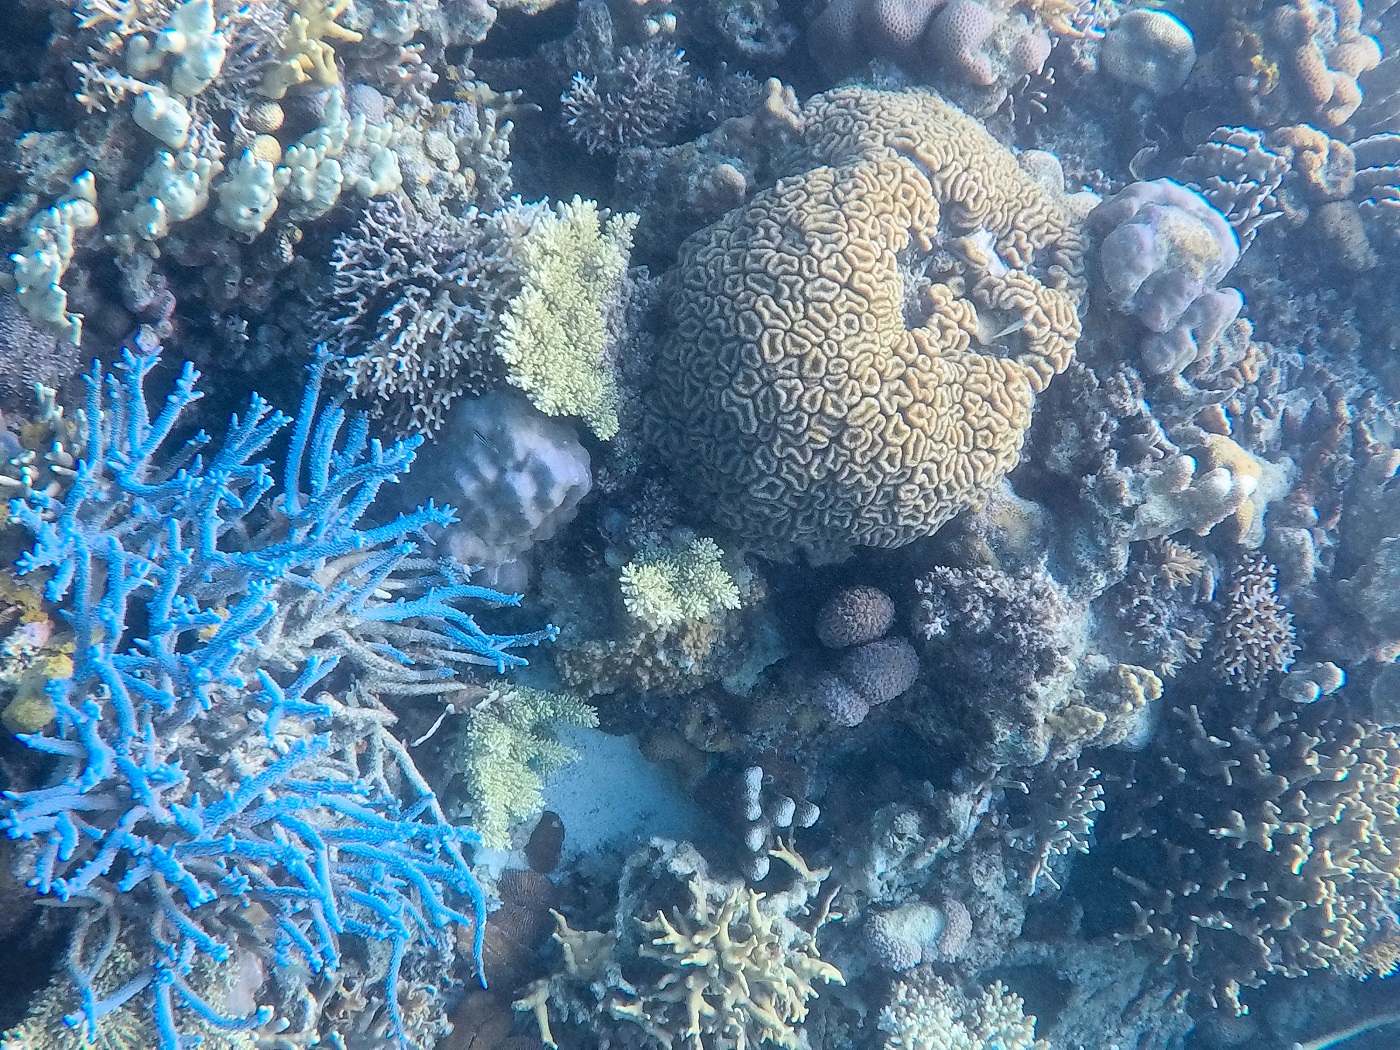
x=207, y=806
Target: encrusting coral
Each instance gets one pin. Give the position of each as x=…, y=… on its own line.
x=793, y=391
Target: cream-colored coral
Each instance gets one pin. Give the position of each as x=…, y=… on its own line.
x=673, y=586
x=307, y=58
x=731, y=968
x=555, y=337
x=792, y=390
x=925, y=1012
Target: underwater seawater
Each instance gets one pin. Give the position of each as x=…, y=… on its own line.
x=700, y=524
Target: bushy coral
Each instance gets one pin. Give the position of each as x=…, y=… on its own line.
x=558, y=335
x=925, y=1012
x=209, y=614
x=689, y=583
x=506, y=748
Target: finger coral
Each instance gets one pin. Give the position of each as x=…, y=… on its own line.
x=1248, y=851
x=810, y=414
x=212, y=620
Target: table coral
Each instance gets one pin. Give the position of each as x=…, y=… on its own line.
x=809, y=413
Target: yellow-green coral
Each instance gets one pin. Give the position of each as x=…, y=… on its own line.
x=555, y=336
x=306, y=58
x=686, y=584
x=508, y=746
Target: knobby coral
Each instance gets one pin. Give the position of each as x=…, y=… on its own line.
x=206, y=802
x=810, y=414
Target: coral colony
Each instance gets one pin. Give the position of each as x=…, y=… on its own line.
x=209, y=804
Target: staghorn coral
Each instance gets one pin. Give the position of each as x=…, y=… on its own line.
x=728, y=968
x=1255, y=640
x=809, y=413
x=207, y=613
x=1270, y=848
x=307, y=58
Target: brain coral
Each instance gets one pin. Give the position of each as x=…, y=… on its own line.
x=793, y=390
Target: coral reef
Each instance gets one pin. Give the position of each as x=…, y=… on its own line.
x=1272, y=850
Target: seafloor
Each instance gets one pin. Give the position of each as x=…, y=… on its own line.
x=901, y=549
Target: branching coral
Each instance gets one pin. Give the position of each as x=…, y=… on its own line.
x=1256, y=640
x=731, y=968
x=507, y=746
x=207, y=616
x=793, y=391
x=1271, y=850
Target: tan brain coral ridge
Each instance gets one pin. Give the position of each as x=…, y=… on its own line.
x=793, y=390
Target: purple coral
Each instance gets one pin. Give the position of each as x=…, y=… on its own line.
x=854, y=616
x=1163, y=256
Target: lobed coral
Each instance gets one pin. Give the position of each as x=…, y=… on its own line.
x=810, y=414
